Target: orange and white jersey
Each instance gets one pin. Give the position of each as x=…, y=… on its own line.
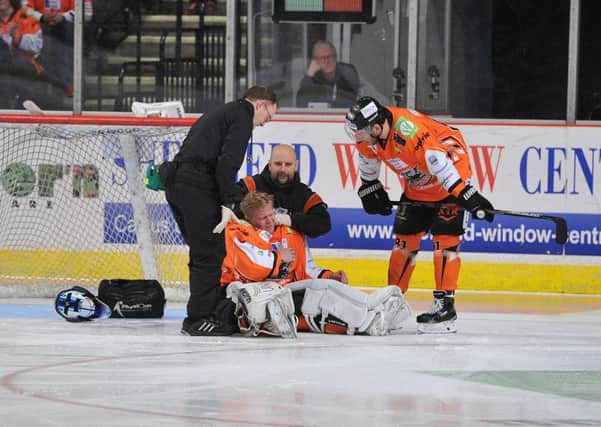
x=252, y=255
x=428, y=156
x=37, y=8
x=23, y=34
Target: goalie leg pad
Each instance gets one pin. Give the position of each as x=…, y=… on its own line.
x=263, y=308
x=325, y=297
x=391, y=310
x=375, y=314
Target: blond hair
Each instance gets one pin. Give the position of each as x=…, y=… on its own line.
x=254, y=201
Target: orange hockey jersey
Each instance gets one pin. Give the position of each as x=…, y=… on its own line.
x=37, y=8
x=252, y=255
x=23, y=35
x=428, y=156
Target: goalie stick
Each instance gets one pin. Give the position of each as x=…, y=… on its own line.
x=561, y=226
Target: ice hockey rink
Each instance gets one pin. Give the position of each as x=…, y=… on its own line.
x=517, y=360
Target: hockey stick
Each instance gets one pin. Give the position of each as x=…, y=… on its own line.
x=561, y=226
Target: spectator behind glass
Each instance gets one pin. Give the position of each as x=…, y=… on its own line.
x=328, y=81
x=57, y=18
x=20, y=45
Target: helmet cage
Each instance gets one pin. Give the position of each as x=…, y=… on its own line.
x=77, y=304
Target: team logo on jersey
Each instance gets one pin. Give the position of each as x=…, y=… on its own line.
x=406, y=127
x=448, y=212
x=417, y=178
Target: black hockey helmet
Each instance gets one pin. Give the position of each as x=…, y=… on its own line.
x=362, y=116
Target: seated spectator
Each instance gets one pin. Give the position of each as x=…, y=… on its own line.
x=20, y=45
x=328, y=82
x=57, y=18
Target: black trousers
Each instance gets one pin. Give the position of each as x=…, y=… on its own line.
x=197, y=210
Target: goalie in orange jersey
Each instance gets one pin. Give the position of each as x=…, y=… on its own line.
x=273, y=281
x=432, y=162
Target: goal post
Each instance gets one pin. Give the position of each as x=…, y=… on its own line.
x=73, y=206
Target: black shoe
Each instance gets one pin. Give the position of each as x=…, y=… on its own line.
x=207, y=327
x=443, y=308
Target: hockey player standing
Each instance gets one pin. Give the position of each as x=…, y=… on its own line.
x=432, y=161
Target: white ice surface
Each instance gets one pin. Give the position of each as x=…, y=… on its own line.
x=144, y=373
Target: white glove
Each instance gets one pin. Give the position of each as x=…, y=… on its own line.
x=227, y=215
x=283, y=219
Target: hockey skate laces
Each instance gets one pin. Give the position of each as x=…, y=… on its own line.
x=437, y=305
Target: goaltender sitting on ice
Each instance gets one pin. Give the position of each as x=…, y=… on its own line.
x=278, y=290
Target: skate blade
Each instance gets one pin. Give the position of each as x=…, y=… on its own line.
x=447, y=327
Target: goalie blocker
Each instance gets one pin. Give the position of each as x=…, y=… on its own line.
x=322, y=306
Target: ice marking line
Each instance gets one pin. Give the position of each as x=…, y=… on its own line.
x=7, y=382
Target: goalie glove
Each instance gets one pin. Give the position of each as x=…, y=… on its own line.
x=374, y=198
x=283, y=219
x=227, y=215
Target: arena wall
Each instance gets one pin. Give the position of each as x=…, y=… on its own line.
x=536, y=167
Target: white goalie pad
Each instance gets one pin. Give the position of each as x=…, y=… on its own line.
x=263, y=307
x=391, y=310
x=375, y=314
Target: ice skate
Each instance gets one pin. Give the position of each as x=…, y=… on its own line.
x=441, y=317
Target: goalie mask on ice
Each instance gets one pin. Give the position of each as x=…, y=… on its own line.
x=77, y=304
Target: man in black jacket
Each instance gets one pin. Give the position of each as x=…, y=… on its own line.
x=201, y=189
x=296, y=205
x=328, y=81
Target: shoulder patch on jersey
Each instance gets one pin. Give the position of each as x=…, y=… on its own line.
x=433, y=160
x=406, y=127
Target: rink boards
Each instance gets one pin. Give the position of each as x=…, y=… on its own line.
x=545, y=168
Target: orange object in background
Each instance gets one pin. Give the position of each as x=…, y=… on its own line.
x=343, y=5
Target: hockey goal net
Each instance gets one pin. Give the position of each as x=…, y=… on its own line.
x=74, y=209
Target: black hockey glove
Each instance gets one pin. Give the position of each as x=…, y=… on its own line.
x=476, y=203
x=374, y=198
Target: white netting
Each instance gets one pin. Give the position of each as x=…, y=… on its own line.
x=66, y=211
